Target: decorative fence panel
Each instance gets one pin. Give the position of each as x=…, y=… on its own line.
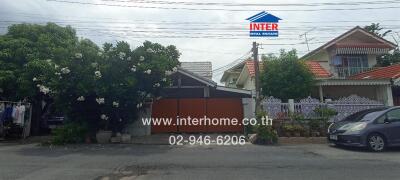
x=307, y=106
x=343, y=106
x=275, y=107
x=350, y=105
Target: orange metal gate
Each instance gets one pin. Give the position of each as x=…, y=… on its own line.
x=219, y=108
x=165, y=108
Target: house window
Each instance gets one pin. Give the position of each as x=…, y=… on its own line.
x=233, y=81
x=350, y=61
x=347, y=65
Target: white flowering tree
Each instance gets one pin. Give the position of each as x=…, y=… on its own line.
x=107, y=88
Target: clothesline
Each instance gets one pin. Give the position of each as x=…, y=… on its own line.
x=13, y=102
x=20, y=114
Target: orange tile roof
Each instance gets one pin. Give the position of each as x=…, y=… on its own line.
x=388, y=72
x=317, y=69
x=250, y=66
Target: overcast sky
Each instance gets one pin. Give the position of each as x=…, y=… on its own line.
x=219, y=36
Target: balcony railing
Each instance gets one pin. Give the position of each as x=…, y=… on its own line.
x=343, y=72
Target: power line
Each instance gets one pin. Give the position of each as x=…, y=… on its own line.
x=186, y=27
x=174, y=22
x=236, y=61
x=222, y=9
x=253, y=4
x=207, y=51
x=211, y=29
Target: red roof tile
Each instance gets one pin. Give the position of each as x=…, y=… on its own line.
x=251, y=68
x=317, y=69
x=388, y=72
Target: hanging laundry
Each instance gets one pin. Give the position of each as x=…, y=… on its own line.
x=7, y=114
x=20, y=116
x=2, y=108
x=15, y=113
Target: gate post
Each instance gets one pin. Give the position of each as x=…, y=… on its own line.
x=291, y=105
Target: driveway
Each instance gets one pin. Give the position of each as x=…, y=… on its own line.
x=316, y=161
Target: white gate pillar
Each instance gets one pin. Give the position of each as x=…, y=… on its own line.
x=291, y=105
x=389, y=95
x=321, y=94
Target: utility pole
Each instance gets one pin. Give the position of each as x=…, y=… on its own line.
x=257, y=74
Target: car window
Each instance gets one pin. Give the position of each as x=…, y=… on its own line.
x=393, y=115
x=381, y=119
x=365, y=115
x=371, y=116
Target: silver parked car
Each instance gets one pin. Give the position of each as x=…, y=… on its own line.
x=375, y=129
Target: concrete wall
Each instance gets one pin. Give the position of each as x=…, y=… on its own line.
x=137, y=128
x=384, y=94
x=249, y=107
x=323, y=59
x=250, y=83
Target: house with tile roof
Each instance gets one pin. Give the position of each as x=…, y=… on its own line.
x=241, y=75
x=337, y=63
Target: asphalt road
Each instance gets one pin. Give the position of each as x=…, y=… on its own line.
x=295, y=162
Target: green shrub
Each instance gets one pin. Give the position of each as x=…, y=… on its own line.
x=252, y=129
x=287, y=128
x=266, y=135
x=299, y=129
x=314, y=124
x=325, y=113
x=69, y=133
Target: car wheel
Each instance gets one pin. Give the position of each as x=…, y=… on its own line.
x=376, y=142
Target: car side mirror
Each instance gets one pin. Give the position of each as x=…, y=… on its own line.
x=386, y=121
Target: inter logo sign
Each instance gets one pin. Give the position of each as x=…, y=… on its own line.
x=264, y=24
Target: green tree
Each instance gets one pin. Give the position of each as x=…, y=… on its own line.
x=375, y=28
x=25, y=53
x=103, y=87
x=286, y=77
x=386, y=59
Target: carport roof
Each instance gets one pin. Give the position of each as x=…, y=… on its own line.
x=389, y=72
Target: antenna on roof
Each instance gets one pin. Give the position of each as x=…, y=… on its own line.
x=305, y=37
